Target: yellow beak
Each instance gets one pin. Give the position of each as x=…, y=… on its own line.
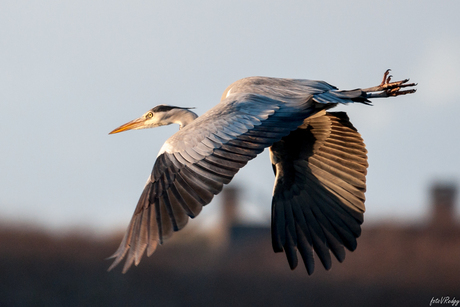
x=138, y=122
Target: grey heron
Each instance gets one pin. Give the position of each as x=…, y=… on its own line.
x=318, y=157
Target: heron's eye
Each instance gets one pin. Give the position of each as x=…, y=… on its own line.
x=149, y=115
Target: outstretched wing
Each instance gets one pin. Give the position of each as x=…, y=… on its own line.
x=318, y=200
x=195, y=162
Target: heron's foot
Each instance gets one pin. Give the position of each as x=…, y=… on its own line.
x=388, y=88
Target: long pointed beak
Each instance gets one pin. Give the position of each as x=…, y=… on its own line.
x=138, y=122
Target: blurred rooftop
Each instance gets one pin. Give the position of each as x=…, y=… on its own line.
x=394, y=265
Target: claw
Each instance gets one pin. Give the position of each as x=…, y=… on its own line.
x=394, y=93
x=385, y=75
x=388, y=88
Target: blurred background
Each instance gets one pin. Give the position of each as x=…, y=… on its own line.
x=70, y=72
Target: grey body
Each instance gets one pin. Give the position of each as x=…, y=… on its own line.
x=318, y=157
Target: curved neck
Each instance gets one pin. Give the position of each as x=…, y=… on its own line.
x=183, y=117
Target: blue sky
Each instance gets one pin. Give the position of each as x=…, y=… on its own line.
x=70, y=72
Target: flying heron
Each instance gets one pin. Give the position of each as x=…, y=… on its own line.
x=318, y=157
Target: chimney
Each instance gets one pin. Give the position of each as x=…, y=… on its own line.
x=229, y=204
x=443, y=198
x=230, y=197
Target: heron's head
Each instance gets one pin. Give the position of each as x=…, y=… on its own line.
x=159, y=116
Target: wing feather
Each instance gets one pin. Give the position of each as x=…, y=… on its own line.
x=164, y=220
x=154, y=236
x=223, y=172
x=142, y=242
x=192, y=201
x=320, y=177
